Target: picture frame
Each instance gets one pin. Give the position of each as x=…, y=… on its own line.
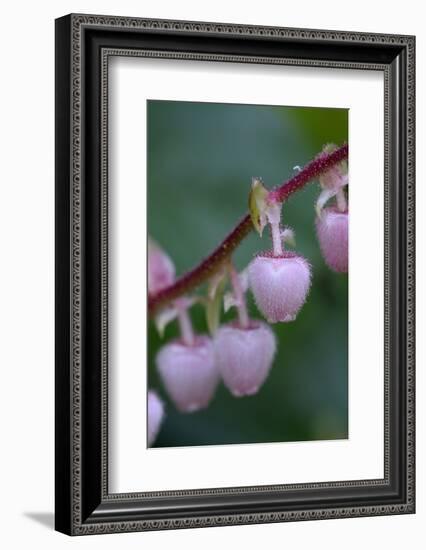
x=83, y=503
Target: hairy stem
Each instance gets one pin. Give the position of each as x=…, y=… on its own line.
x=277, y=245
x=243, y=317
x=185, y=324
x=274, y=218
x=210, y=265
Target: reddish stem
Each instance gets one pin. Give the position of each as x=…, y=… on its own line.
x=207, y=267
x=320, y=164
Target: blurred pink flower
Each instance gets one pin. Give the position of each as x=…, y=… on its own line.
x=332, y=231
x=189, y=373
x=280, y=284
x=244, y=356
x=161, y=271
x=155, y=416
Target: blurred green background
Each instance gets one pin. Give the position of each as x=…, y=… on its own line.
x=201, y=158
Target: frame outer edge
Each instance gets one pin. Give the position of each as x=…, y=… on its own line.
x=77, y=22
x=63, y=495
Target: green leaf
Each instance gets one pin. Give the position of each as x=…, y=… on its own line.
x=257, y=204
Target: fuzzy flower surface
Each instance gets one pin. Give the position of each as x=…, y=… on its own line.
x=155, y=416
x=332, y=230
x=244, y=356
x=189, y=373
x=280, y=284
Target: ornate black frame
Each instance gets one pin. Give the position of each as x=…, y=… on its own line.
x=83, y=45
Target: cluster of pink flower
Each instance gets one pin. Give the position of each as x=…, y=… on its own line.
x=241, y=353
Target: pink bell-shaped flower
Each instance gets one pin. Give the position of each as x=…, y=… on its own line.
x=155, y=416
x=189, y=372
x=280, y=284
x=244, y=356
x=161, y=271
x=332, y=231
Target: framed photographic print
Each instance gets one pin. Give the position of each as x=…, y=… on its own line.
x=231, y=346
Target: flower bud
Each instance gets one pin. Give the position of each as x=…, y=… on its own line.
x=155, y=416
x=189, y=373
x=244, y=356
x=280, y=284
x=161, y=271
x=332, y=231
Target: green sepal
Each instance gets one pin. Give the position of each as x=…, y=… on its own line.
x=163, y=318
x=258, y=204
x=213, y=302
x=169, y=313
x=329, y=148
